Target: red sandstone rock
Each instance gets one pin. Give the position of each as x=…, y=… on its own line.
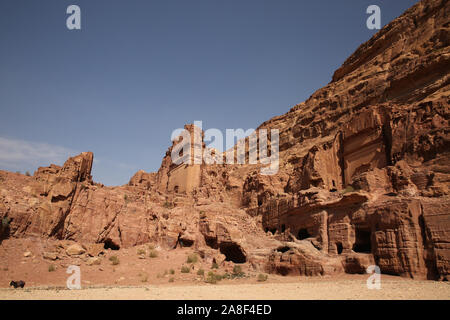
x=364, y=177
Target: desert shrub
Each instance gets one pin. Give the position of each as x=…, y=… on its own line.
x=262, y=277
x=171, y=271
x=185, y=269
x=237, y=269
x=200, y=272
x=153, y=254
x=28, y=174
x=141, y=251
x=192, y=258
x=171, y=279
x=151, y=246
x=226, y=275
x=213, y=278
x=114, y=260
x=215, y=266
x=51, y=268
x=237, y=272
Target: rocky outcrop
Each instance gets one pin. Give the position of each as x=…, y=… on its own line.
x=364, y=177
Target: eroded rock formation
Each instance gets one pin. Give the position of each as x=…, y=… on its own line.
x=364, y=176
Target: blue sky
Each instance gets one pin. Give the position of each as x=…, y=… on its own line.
x=137, y=70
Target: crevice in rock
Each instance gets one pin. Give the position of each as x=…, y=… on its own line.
x=428, y=247
x=283, y=249
x=109, y=244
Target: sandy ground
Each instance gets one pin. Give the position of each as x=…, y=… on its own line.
x=313, y=289
x=137, y=277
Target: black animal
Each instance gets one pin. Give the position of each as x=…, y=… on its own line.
x=17, y=284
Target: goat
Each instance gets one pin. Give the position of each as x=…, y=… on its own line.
x=17, y=284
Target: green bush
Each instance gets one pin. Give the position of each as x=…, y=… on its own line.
x=192, y=258
x=172, y=271
x=201, y=272
x=237, y=269
x=185, y=269
x=226, y=275
x=262, y=277
x=51, y=268
x=141, y=251
x=114, y=260
x=213, y=278
x=215, y=266
x=237, y=272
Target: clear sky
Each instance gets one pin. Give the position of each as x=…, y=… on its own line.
x=138, y=69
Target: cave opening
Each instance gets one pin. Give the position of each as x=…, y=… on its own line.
x=283, y=228
x=183, y=242
x=363, y=242
x=211, y=242
x=186, y=242
x=233, y=252
x=109, y=244
x=339, y=247
x=283, y=249
x=303, y=234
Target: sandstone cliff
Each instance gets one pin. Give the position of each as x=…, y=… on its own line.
x=364, y=176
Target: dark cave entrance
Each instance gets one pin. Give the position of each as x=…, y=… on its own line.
x=283, y=249
x=303, y=234
x=109, y=244
x=363, y=242
x=183, y=242
x=339, y=247
x=283, y=228
x=233, y=252
x=211, y=242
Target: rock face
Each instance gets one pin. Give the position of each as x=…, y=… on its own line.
x=364, y=177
